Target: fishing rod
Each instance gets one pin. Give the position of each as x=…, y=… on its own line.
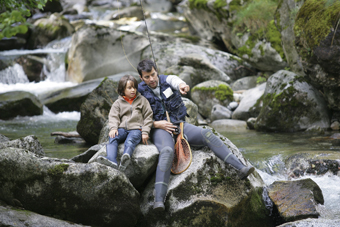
x=147, y=31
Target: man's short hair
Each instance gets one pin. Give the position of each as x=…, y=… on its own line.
x=146, y=66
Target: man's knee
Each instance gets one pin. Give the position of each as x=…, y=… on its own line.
x=211, y=138
x=166, y=156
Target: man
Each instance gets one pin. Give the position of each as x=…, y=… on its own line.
x=164, y=94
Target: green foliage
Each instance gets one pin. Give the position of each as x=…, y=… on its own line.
x=261, y=80
x=314, y=21
x=13, y=20
x=255, y=15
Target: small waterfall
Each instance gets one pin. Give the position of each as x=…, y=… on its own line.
x=54, y=67
x=13, y=74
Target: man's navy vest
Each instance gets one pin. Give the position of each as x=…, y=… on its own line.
x=173, y=104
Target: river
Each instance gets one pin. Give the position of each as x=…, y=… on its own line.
x=266, y=151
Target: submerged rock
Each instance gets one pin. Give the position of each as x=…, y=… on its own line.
x=19, y=103
x=296, y=200
x=28, y=143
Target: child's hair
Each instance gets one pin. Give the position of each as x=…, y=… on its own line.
x=123, y=81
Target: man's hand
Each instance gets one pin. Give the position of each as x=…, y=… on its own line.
x=184, y=88
x=145, y=138
x=113, y=133
x=165, y=125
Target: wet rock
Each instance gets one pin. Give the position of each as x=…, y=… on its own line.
x=29, y=143
x=143, y=162
x=321, y=167
x=91, y=194
x=31, y=67
x=67, y=140
x=320, y=222
x=247, y=107
x=335, y=126
x=19, y=103
x=287, y=102
x=94, y=111
x=297, y=164
x=296, y=200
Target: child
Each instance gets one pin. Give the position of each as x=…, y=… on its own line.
x=130, y=119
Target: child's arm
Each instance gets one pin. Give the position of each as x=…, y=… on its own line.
x=114, y=119
x=148, y=115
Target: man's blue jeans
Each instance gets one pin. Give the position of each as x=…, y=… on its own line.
x=132, y=138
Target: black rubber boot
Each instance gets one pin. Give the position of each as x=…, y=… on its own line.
x=160, y=194
x=111, y=156
x=126, y=159
x=166, y=156
x=243, y=171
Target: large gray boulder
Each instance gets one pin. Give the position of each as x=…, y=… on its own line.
x=296, y=200
x=287, y=104
x=207, y=94
x=29, y=143
x=220, y=64
x=95, y=110
x=320, y=222
x=247, y=107
x=143, y=162
x=19, y=103
x=208, y=193
x=97, y=52
x=91, y=194
x=244, y=83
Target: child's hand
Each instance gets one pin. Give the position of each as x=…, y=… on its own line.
x=113, y=133
x=145, y=138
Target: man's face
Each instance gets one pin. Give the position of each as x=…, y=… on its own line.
x=150, y=78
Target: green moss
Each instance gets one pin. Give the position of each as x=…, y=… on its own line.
x=58, y=169
x=314, y=21
x=274, y=37
x=222, y=92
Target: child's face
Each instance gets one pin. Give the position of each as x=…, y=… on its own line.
x=130, y=90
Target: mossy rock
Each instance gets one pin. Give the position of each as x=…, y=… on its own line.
x=205, y=95
x=287, y=104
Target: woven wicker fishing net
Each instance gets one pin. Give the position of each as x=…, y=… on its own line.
x=183, y=156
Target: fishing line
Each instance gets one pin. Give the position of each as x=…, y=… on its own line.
x=121, y=41
x=147, y=31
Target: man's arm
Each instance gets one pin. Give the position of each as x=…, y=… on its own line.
x=178, y=84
